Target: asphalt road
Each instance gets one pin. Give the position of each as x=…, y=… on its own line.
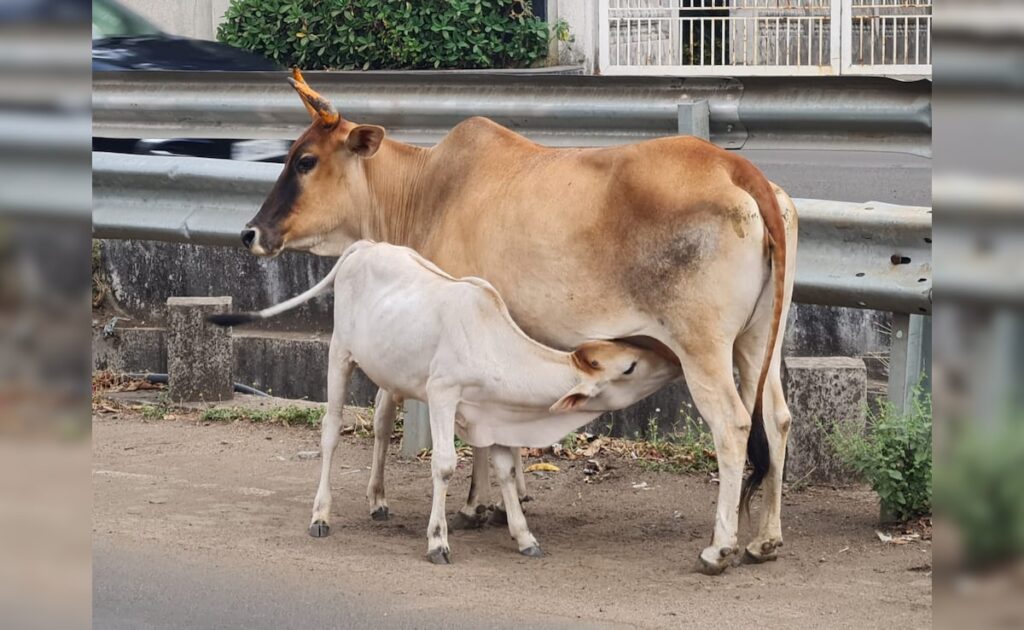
x=149, y=589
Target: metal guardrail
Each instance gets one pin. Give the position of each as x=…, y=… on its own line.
x=855, y=113
x=870, y=255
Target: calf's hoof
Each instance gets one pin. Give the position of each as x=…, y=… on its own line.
x=380, y=514
x=532, y=552
x=319, y=529
x=441, y=555
x=498, y=517
x=461, y=520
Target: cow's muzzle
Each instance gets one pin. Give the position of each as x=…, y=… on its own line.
x=249, y=237
x=259, y=242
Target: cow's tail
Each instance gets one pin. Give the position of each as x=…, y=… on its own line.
x=750, y=179
x=235, y=319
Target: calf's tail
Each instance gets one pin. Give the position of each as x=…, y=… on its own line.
x=235, y=319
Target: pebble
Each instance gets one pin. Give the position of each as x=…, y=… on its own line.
x=307, y=455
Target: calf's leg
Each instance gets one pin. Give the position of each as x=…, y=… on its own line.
x=442, y=403
x=339, y=369
x=503, y=461
x=385, y=411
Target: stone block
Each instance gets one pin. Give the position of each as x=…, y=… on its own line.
x=292, y=365
x=199, y=354
x=823, y=393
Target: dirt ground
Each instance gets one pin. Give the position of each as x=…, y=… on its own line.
x=615, y=554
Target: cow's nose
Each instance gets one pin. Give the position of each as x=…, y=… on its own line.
x=249, y=237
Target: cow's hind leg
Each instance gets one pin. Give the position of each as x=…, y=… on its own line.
x=339, y=369
x=499, y=516
x=442, y=465
x=749, y=353
x=503, y=460
x=385, y=411
x=473, y=514
x=709, y=378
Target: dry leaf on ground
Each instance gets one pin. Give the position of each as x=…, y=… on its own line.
x=542, y=467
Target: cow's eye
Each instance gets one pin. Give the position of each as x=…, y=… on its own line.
x=632, y=366
x=305, y=164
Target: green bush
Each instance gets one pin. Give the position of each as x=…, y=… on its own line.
x=979, y=488
x=895, y=457
x=387, y=34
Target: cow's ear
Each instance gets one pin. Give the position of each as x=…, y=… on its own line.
x=574, y=398
x=364, y=140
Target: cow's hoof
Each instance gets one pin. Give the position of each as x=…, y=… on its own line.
x=525, y=498
x=764, y=552
x=319, y=529
x=498, y=517
x=460, y=520
x=532, y=552
x=380, y=514
x=441, y=555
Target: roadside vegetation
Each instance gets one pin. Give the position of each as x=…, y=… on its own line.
x=980, y=489
x=385, y=34
x=288, y=415
x=894, y=456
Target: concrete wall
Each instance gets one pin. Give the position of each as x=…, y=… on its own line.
x=188, y=18
x=581, y=16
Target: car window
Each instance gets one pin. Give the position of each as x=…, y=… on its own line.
x=110, y=19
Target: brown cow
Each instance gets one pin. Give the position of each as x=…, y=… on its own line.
x=673, y=243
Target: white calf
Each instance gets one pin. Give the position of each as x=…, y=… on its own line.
x=419, y=333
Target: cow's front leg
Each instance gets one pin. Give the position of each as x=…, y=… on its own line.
x=339, y=369
x=504, y=469
x=385, y=411
x=473, y=515
x=442, y=403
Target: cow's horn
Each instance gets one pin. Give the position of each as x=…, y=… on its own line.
x=317, y=106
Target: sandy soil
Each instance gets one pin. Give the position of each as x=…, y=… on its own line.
x=614, y=554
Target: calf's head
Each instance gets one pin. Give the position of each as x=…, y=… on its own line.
x=322, y=191
x=613, y=375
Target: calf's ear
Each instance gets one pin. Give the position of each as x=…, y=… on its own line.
x=574, y=399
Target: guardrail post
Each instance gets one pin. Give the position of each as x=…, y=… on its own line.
x=906, y=358
x=416, y=435
x=695, y=119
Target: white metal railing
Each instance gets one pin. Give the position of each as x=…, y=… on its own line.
x=887, y=37
x=765, y=37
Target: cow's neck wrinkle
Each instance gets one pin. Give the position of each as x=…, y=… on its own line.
x=394, y=176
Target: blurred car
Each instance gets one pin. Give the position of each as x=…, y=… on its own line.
x=125, y=41
x=44, y=12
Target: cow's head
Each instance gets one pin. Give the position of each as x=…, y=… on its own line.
x=316, y=201
x=613, y=375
